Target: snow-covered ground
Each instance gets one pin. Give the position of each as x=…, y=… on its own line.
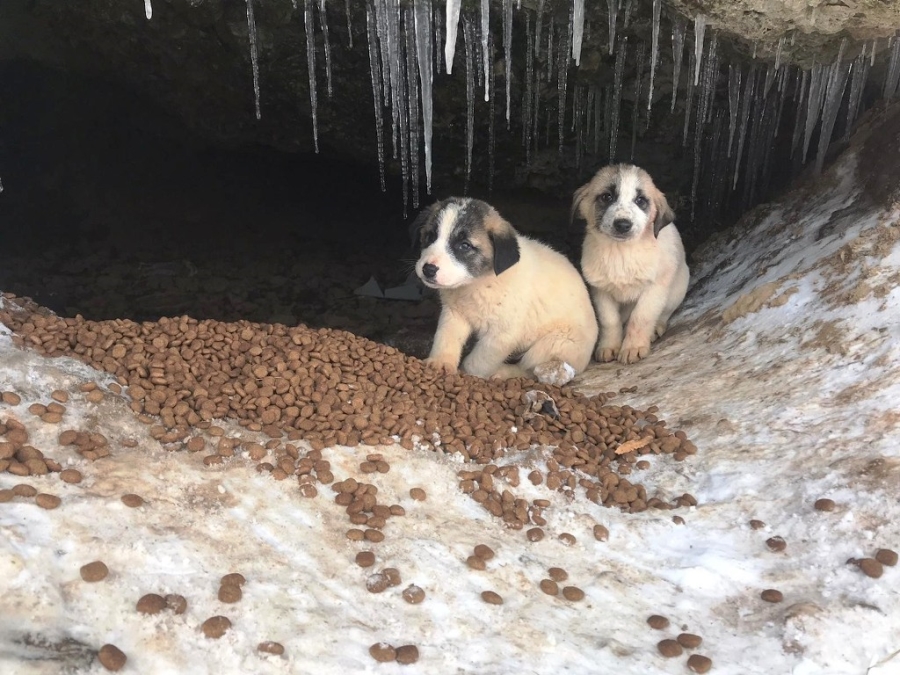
x=784, y=369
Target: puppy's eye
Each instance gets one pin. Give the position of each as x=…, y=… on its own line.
x=641, y=201
x=464, y=246
x=605, y=197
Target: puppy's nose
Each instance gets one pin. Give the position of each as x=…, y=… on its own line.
x=621, y=226
x=430, y=271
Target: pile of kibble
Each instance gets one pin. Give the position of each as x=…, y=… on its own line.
x=330, y=387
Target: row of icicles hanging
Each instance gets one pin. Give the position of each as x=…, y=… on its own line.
x=403, y=48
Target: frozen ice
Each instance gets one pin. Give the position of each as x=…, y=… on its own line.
x=485, y=33
x=678, y=32
x=452, y=26
x=148, y=9
x=375, y=73
x=507, y=54
x=616, y=100
x=578, y=29
x=426, y=76
x=469, y=39
x=613, y=7
x=254, y=58
x=323, y=22
x=654, y=51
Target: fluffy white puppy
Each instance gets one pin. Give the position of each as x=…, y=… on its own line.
x=632, y=259
x=519, y=298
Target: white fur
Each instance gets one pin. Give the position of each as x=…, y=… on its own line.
x=637, y=280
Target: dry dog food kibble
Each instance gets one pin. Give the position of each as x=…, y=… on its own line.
x=573, y=593
x=46, y=501
x=657, y=622
x=678, y=520
x=484, y=552
x=491, y=598
x=6, y=496
x=567, y=539
x=476, y=563
x=132, y=501
x=689, y=640
x=383, y=652
x=870, y=567
x=535, y=534
x=94, y=571
x=111, y=657
x=70, y=476
x=234, y=578
x=365, y=558
x=772, y=595
x=418, y=494
x=151, y=604
x=24, y=490
x=216, y=626
x=886, y=557
x=824, y=504
x=377, y=583
x=275, y=648
x=10, y=398
x=757, y=524
x=407, y=654
x=776, y=543
x=177, y=603
x=413, y=594
x=558, y=574
x=669, y=648
x=549, y=587
x=230, y=593
x=601, y=533
x=699, y=663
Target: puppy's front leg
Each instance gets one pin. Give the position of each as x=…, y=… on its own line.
x=610, y=325
x=487, y=356
x=642, y=323
x=449, y=340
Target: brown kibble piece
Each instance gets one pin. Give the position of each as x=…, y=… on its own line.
x=70, y=476
x=365, y=558
x=573, y=593
x=216, y=626
x=24, y=490
x=377, y=583
x=151, y=604
x=669, y=648
x=601, y=533
x=10, y=398
x=558, y=574
x=234, y=578
x=374, y=536
x=355, y=534
x=772, y=595
x=393, y=576
x=383, y=652
x=491, y=598
x=699, y=663
x=413, y=594
x=689, y=640
x=484, y=552
x=776, y=543
x=60, y=395
x=230, y=593
x=177, y=603
x=657, y=622
x=111, y=657
x=275, y=648
x=549, y=587
x=407, y=654
x=94, y=571
x=535, y=534
x=46, y=501
x=132, y=501
x=886, y=557
x=678, y=520
x=757, y=524
x=870, y=567
x=6, y=496
x=824, y=504
x=567, y=539
x=418, y=494
x=476, y=563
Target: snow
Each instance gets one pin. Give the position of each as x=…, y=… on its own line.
x=148, y=9
x=787, y=387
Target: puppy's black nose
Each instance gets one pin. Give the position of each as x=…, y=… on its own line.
x=621, y=225
x=429, y=270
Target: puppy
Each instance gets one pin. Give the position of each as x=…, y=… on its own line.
x=632, y=259
x=519, y=297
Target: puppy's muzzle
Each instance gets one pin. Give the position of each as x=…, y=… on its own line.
x=621, y=226
x=429, y=271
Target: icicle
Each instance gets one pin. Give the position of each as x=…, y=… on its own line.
x=452, y=25
x=576, y=122
x=384, y=42
x=538, y=26
x=492, y=116
x=529, y=87
x=629, y=10
x=678, y=31
x=507, y=52
x=412, y=86
x=699, y=34
x=311, y=68
x=578, y=30
x=598, y=118
x=749, y=85
x=892, y=77
x=734, y=98
x=872, y=55
x=817, y=82
x=254, y=60
x=148, y=9
x=375, y=72
x=349, y=24
x=485, y=32
x=638, y=83
x=704, y=101
x=438, y=39
x=550, y=58
x=621, y=54
x=799, y=118
x=834, y=94
x=400, y=96
x=423, y=47
x=857, y=83
x=755, y=45
x=613, y=6
x=654, y=52
x=323, y=22
x=778, y=50
x=689, y=97
x=562, y=77
x=469, y=38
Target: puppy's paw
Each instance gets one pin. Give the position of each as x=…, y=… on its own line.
x=604, y=353
x=658, y=331
x=633, y=352
x=441, y=364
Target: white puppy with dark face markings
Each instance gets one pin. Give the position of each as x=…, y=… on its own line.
x=519, y=297
x=632, y=258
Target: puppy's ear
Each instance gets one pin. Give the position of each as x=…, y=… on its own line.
x=577, y=198
x=664, y=214
x=420, y=221
x=506, y=247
